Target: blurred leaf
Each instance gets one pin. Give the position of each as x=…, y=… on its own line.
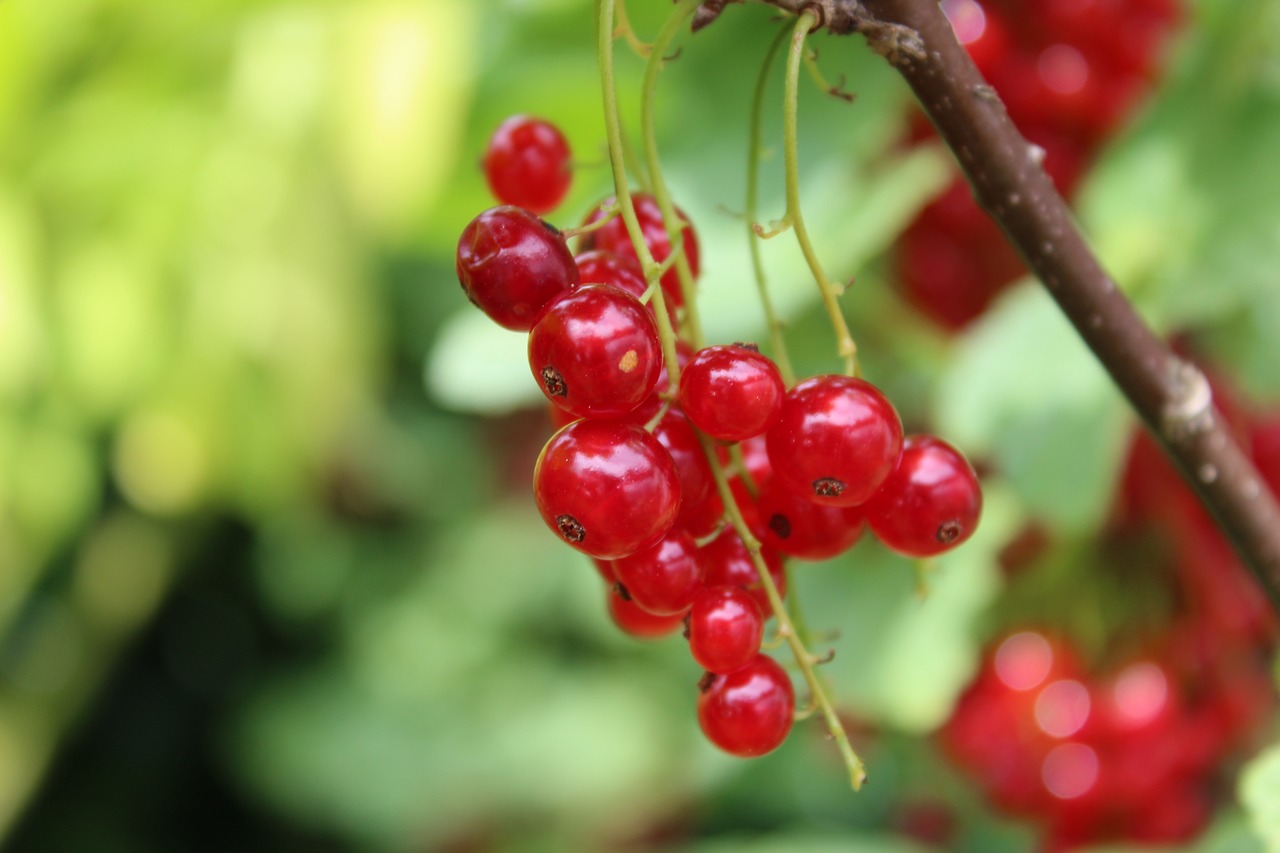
x=1259, y=789
x=1023, y=391
x=804, y=842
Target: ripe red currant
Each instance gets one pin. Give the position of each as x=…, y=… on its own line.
x=801, y=528
x=662, y=579
x=600, y=267
x=511, y=264
x=608, y=488
x=731, y=392
x=527, y=164
x=595, y=352
x=728, y=562
x=641, y=624
x=697, y=483
x=748, y=712
x=725, y=627
x=930, y=503
x=613, y=237
x=836, y=440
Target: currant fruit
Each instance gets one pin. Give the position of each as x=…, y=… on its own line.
x=748, y=712
x=511, y=264
x=725, y=627
x=665, y=578
x=640, y=624
x=728, y=562
x=527, y=164
x=613, y=237
x=930, y=503
x=835, y=441
x=798, y=527
x=595, y=352
x=731, y=392
x=607, y=488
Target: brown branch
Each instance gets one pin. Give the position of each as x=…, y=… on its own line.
x=1169, y=394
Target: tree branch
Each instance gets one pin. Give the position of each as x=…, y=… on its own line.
x=1171, y=395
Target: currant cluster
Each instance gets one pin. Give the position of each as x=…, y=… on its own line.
x=1069, y=72
x=630, y=477
x=1129, y=747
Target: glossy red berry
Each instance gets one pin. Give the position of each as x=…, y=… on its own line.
x=836, y=440
x=664, y=578
x=511, y=264
x=725, y=627
x=930, y=503
x=608, y=488
x=728, y=562
x=600, y=267
x=527, y=164
x=748, y=712
x=639, y=623
x=697, y=483
x=731, y=392
x=801, y=528
x=595, y=352
x=613, y=237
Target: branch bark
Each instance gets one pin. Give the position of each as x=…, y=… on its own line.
x=1171, y=395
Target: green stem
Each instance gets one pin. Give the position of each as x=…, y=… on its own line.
x=844, y=341
x=674, y=225
x=776, y=340
x=622, y=190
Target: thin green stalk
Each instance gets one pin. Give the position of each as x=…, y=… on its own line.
x=777, y=342
x=683, y=11
x=844, y=341
x=622, y=190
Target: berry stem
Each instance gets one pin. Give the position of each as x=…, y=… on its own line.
x=622, y=190
x=673, y=223
x=776, y=340
x=844, y=341
x=786, y=627
x=1171, y=395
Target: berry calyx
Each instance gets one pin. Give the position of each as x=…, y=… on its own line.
x=731, y=392
x=595, y=352
x=748, y=712
x=607, y=488
x=527, y=164
x=835, y=441
x=930, y=503
x=725, y=627
x=511, y=264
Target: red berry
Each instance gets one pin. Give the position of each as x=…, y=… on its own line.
x=599, y=267
x=608, y=488
x=725, y=629
x=595, y=352
x=613, y=237
x=728, y=562
x=639, y=623
x=527, y=164
x=836, y=440
x=697, y=483
x=801, y=528
x=731, y=392
x=662, y=579
x=512, y=264
x=748, y=712
x=930, y=503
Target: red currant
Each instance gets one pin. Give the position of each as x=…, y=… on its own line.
x=608, y=488
x=697, y=483
x=600, y=267
x=664, y=578
x=639, y=623
x=527, y=164
x=801, y=528
x=512, y=264
x=725, y=627
x=728, y=562
x=613, y=237
x=595, y=352
x=930, y=503
x=836, y=440
x=748, y=712
x=731, y=392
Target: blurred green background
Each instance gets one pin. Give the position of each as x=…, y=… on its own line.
x=270, y=574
